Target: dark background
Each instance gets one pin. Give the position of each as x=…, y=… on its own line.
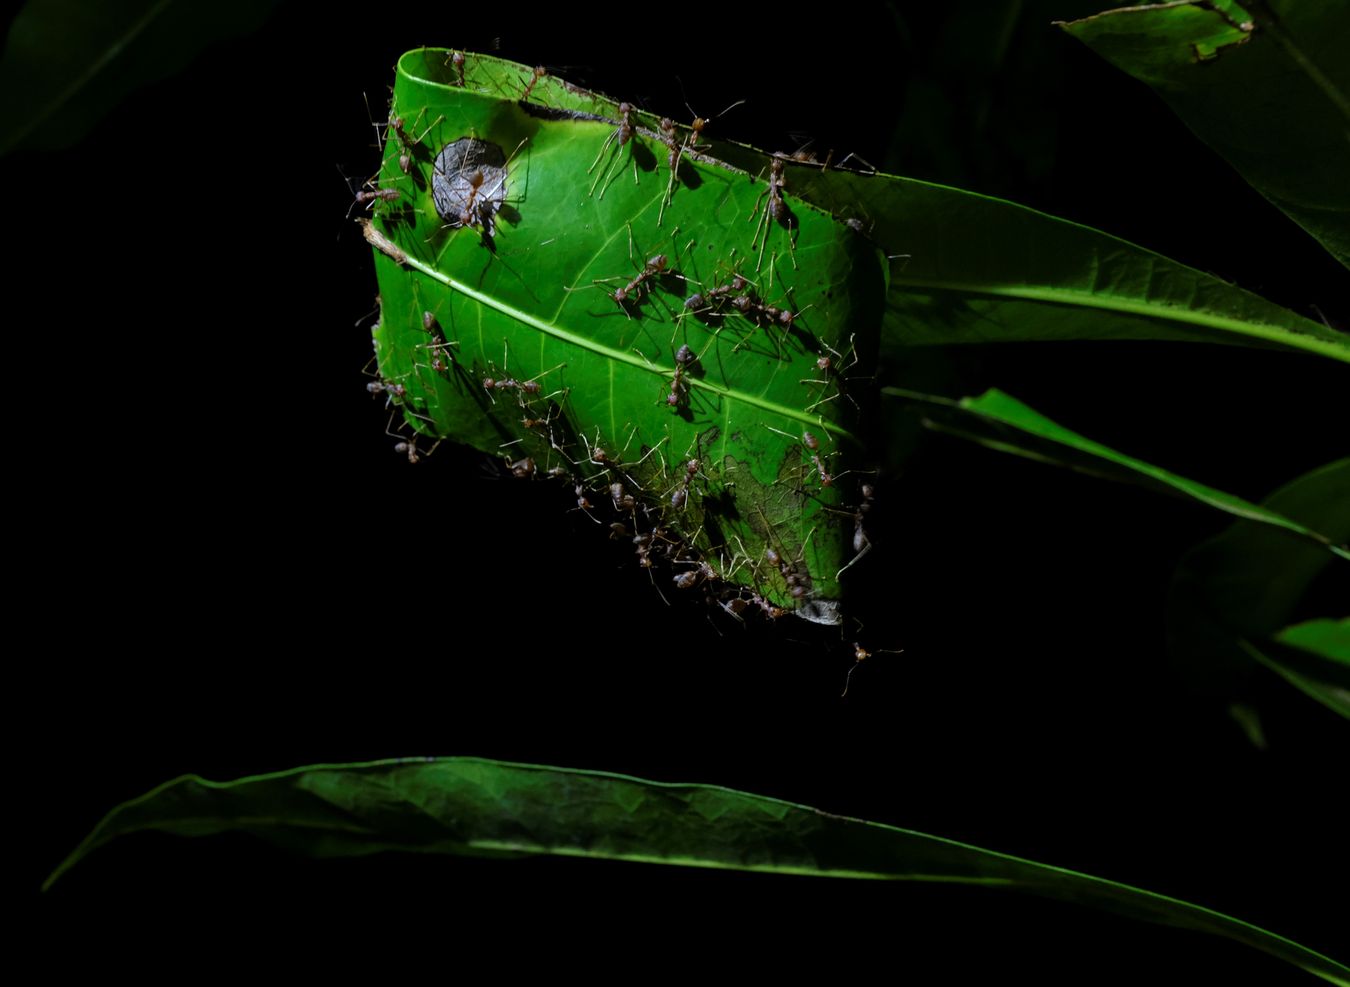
x=230, y=571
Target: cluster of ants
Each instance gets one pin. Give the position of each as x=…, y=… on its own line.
x=611, y=484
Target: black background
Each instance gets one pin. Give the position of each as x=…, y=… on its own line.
x=228, y=570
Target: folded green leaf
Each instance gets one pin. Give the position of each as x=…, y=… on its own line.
x=1002, y=422
x=1235, y=591
x=1266, y=84
x=674, y=344
x=475, y=806
x=74, y=60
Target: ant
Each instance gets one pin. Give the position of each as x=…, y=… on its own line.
x=408, y=446
x=676, y=148
x=702, y=572
x=861, y=543
x=369, y=195
x=530, y=387
x=829, y=366
x=680, y=496
x=679, y=389
x=860, y=655
x=457, y=60
x=406, y=141
x=775, y=211
x=813, y=444
x=797, y=584
x=712, y=301
x=622, y=499
x=384, y=387
x=804, y=155
x=538, y=73
x=655, y=266
x=522, y=469
x=623, y=134
x=439, y=349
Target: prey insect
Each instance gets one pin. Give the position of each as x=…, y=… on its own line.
x=468, y=183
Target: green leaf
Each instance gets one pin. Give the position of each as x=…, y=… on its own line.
x=968, y=268
x=460, y=805
x=1313, y=657
x=1266, y=85
x=1327, y=639
x=1236, y=590
x=74, y=60
x=1002, y=422
x=565, y=218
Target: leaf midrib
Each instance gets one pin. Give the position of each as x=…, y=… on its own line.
x=1084, y=299
x=621, y=356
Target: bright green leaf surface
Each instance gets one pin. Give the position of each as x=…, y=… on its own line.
x=66, y=63
x=1268, y=87
x=469, y=805
x=1002, y=422
x=967, y=268
x=531, y=299
x=1238, y=589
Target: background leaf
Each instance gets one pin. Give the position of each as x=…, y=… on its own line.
x=228, y=433
x=475, y=806
x=969, y=268
x=1002, y=422
x=1266, y=84
x=1245, y=584
x=74, y=60
x=1313, y=657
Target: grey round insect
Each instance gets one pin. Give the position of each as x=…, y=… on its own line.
x=468, y=183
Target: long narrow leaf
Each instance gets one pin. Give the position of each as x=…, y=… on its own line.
x=470, y=805
x=969, y=268
x=1002, y=422
x=1266, y=84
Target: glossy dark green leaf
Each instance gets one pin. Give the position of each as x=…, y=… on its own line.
x=1266, y=84
x=1002, y=422
x=967, y=268
x=1234, y=592
x=525, y=292
x=74, y=60
x=475, y=806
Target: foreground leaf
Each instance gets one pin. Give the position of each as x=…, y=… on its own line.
x=1266, y=85
x=74, y=60
x=729, y=457
x=1235, y=591
x=475, y=806
x=1002, y=422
